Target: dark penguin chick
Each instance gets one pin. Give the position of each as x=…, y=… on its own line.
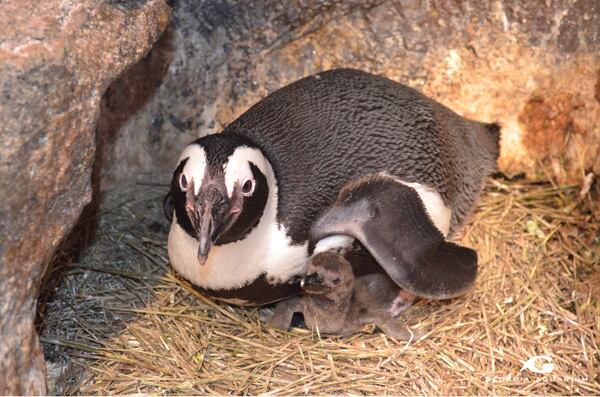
x=335, y=302
x=392, y=223
x=245, y=199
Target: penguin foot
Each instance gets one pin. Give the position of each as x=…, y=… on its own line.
x=400, y=331
x=265, y=314
x=284, y=313
x=403, y=301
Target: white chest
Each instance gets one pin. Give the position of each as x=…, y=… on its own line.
x=266, y=250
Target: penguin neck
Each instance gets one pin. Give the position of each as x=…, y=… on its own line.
x=339, y=303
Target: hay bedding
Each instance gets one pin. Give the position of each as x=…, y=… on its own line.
x=122, y=322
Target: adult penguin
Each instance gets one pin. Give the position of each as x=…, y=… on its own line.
x=287, y=178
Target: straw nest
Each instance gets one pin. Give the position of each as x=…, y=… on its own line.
x=121, y=321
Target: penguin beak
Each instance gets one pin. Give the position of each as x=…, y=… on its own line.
x=211, y=213
x=201, y=222
x=204, y=237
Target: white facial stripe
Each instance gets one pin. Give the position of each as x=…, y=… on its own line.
x=237, y=167
x=195, y=166
x=439, y=213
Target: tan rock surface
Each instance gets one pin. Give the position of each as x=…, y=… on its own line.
x=56, y=59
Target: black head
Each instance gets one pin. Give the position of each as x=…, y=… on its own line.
x=220, y=190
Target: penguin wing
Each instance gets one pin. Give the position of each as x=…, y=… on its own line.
x=390, y=220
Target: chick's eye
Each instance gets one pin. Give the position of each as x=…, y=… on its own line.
x=183, y=183
x=248, y=187
x=336, y=281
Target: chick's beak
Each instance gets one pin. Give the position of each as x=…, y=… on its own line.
x=312, y=283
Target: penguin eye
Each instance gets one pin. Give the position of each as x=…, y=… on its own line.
x=336, y=281
x=248, y=187
x=183, y=183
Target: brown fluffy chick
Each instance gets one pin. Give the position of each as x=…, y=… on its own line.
x=336, y=302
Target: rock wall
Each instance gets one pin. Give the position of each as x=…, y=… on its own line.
x=532, y=66
x=57, y=58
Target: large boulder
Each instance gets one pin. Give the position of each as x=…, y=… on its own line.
x=532, y=66
x=57, y=57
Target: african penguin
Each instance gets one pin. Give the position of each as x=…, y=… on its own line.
x=246, y=199
x=337, y=302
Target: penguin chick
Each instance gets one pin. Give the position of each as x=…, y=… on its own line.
x=390, y=220
x=336, y=302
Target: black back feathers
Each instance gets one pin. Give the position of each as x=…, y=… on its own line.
x=325, y=130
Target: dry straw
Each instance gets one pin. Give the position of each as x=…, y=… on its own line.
x=123, y=322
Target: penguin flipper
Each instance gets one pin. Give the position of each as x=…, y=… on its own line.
x=168, y=207
x=390, y=220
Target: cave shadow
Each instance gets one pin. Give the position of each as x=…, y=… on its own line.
x=124, y=98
